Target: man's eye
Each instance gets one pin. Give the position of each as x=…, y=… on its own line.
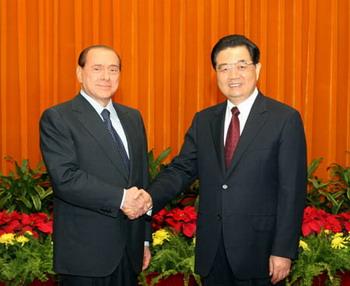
x=224, y=69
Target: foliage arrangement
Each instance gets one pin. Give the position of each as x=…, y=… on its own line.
x=333, y=195
x=26, y=227
x=38, y=224
x=173, y=245
x=25, y=247
x=155, y=164
x=26, y=190
x=24, y=258
x=324, y=247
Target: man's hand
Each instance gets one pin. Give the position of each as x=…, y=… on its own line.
x=146, y=258
x=279, y=268
x=136, y=202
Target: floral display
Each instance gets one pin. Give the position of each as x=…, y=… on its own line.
x=316, y=220
x=181, y=220
x=25, y=247
x=160, y=236
x=173, y=247
x=324, y=248
x=15, y=222
x=26, y=250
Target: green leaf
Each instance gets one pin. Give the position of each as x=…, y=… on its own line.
x=4, y=200
x=40, y=191
x=36, y=201
x=25, y=201
x=313, y=166
x=163, y=155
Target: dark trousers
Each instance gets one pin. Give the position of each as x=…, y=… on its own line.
x=123, y=275
x=221, y=273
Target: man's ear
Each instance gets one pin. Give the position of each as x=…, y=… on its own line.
x=79, y=72
x=257, y=69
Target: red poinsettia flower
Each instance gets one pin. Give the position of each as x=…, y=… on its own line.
x=45, y=227
x=15, y=222
x=26, y=219
x=315, y=220
x=182, y=220
x=158, y=219
x=191, y=213
x=176, y=214
x=347, y=226
x=189, y=229
x=332, y=223
x=175, y=224
x=345, y=215
x=12, y=226
x=310, y=227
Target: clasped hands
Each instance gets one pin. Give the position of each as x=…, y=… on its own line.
x=136, y=203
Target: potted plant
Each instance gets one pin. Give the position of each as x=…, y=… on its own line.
x=25, y=248
x=25, y=189
x=173, y=248
x=324, y=248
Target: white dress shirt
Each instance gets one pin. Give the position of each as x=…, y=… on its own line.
x=244, y=110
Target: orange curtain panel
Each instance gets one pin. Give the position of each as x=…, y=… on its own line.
x=165, y=48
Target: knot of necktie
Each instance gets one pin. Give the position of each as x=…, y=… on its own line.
x=105, y=114
x=234, y=111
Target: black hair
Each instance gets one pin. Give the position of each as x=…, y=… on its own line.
x=231, y=41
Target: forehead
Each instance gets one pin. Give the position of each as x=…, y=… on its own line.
x=233, y=54
x=102, y=56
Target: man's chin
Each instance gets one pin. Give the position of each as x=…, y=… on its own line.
x=236, y=97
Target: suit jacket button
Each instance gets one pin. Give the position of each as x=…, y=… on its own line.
x=219, y=216
x=224, y=187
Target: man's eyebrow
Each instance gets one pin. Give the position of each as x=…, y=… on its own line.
x=239, y=61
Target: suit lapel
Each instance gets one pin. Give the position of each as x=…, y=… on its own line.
x=217, y=131
x=256, y=119
x=88, y=116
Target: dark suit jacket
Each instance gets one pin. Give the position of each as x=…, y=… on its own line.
x=88, y=177
x=258, y=202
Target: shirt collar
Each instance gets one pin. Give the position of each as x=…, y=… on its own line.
x=246, y=105
x=98, y=107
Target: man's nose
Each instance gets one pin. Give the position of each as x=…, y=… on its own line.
x=105, y=74
x=233, y=72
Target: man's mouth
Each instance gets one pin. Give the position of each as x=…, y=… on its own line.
x=232, y=84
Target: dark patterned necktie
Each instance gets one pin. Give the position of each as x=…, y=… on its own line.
x=120, y=146
x=232, y=136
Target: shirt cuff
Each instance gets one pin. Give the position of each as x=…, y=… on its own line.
x=122, y=203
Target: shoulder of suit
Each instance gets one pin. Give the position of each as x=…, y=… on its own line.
x=213, y=109
x=275, y=105
x=126, y=109
x=63, y=105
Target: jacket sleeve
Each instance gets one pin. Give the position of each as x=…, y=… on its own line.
x=181, y=172
x=292, y=174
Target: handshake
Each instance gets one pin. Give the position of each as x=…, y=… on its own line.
x=136, y=203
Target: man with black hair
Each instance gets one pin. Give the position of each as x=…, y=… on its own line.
x=249, y=154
